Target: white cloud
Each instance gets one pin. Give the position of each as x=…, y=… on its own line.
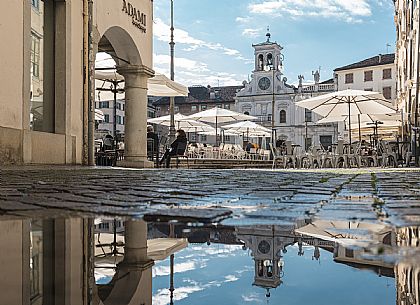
x=252, y=298
x=350, y=11
x=160, y=270
x=230, y=278
x=251, y=33
x=162, y=297
x=243, y=19
x=162, y=31
x=191, y=72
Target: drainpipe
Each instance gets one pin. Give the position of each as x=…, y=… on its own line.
x=91, y=83
x=85, y=82
x=416, y=106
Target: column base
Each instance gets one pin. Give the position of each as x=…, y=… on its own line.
x=136, y=164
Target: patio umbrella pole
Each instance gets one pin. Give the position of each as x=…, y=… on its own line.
x=360, y=132
x=217, y=142
x=348, y=101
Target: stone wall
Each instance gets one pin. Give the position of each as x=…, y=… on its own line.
x=10, y=146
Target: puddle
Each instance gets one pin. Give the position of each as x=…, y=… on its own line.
x=106, y=261
x=277, y=238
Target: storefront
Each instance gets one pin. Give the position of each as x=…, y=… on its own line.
x=44, y=91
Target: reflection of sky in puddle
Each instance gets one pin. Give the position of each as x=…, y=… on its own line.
x=223, y=274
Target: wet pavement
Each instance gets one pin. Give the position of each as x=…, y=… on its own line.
x=215, y=236
x=251, y=196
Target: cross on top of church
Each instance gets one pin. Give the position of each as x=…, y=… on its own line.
x=268, y=34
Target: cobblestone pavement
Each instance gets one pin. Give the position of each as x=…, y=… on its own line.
x=252, y=196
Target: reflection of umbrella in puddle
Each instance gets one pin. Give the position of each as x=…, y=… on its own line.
x=344, y=232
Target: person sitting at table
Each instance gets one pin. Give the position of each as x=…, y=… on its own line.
x=178, y=147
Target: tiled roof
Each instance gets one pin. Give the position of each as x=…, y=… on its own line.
x=328, y=81
x=200, y=94
x=381, y=59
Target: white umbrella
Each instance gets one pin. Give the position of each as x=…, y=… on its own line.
x=159, y=85
x=364, y=121
x=350, y=102
x=248, y=127
x=389, y=119
x=181, y=123
x=219, y=115
x=212, y=131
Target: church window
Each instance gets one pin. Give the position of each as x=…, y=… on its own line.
x=260, y=62
x=269, y=271
x=260, y=268
x=264, y=109
x=308, y=115
x=283, y=116
x=270, y=60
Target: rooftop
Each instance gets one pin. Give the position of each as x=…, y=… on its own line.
x=378, y=60
x=200, y=94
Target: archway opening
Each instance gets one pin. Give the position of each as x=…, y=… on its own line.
x=115, y=49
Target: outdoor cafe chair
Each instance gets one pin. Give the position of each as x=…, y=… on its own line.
x=181, y=153
x=290, y=157
x=239, y=152
x=327, y=158
x=387, y=156
x=277, y=156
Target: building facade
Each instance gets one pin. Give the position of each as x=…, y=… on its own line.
x=201, y=98
x=44, y=117
x=272, y=100
x=408, y=67
x=376, y=74
x=407, y=56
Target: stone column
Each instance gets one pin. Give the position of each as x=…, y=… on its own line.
x=132, y=283
x=135, y=142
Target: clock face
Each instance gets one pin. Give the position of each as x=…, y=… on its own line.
x=264, y=83
x=264, y=247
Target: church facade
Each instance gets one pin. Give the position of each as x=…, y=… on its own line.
x=270, y=98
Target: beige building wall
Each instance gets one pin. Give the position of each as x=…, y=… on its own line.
x=11, y=62
x=18, y=143
x=407, y=56
x=376, y=85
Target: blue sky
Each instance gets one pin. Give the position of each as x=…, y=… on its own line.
x=223, y=274
x=214, y=37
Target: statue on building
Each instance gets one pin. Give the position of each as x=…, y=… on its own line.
x=301, y=78
x=317, y=76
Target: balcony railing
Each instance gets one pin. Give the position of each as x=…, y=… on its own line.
x=321, y=87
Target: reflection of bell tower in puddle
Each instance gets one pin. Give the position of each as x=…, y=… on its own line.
x=267, y=244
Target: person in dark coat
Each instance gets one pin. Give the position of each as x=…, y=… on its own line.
x=178, y=147
x=152, y=144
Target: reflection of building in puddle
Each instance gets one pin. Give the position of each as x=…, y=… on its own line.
x=47, y=262
x=353, y=241
x=407, y=271
x=35, y=263
x=125, y=255
x=267, y=245
x=51, y=262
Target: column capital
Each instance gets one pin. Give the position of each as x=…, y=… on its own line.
x=132, y=69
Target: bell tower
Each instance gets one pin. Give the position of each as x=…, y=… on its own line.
x=267, y=245
x=268, y=64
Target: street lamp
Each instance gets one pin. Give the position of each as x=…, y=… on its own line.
x=172, y=99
